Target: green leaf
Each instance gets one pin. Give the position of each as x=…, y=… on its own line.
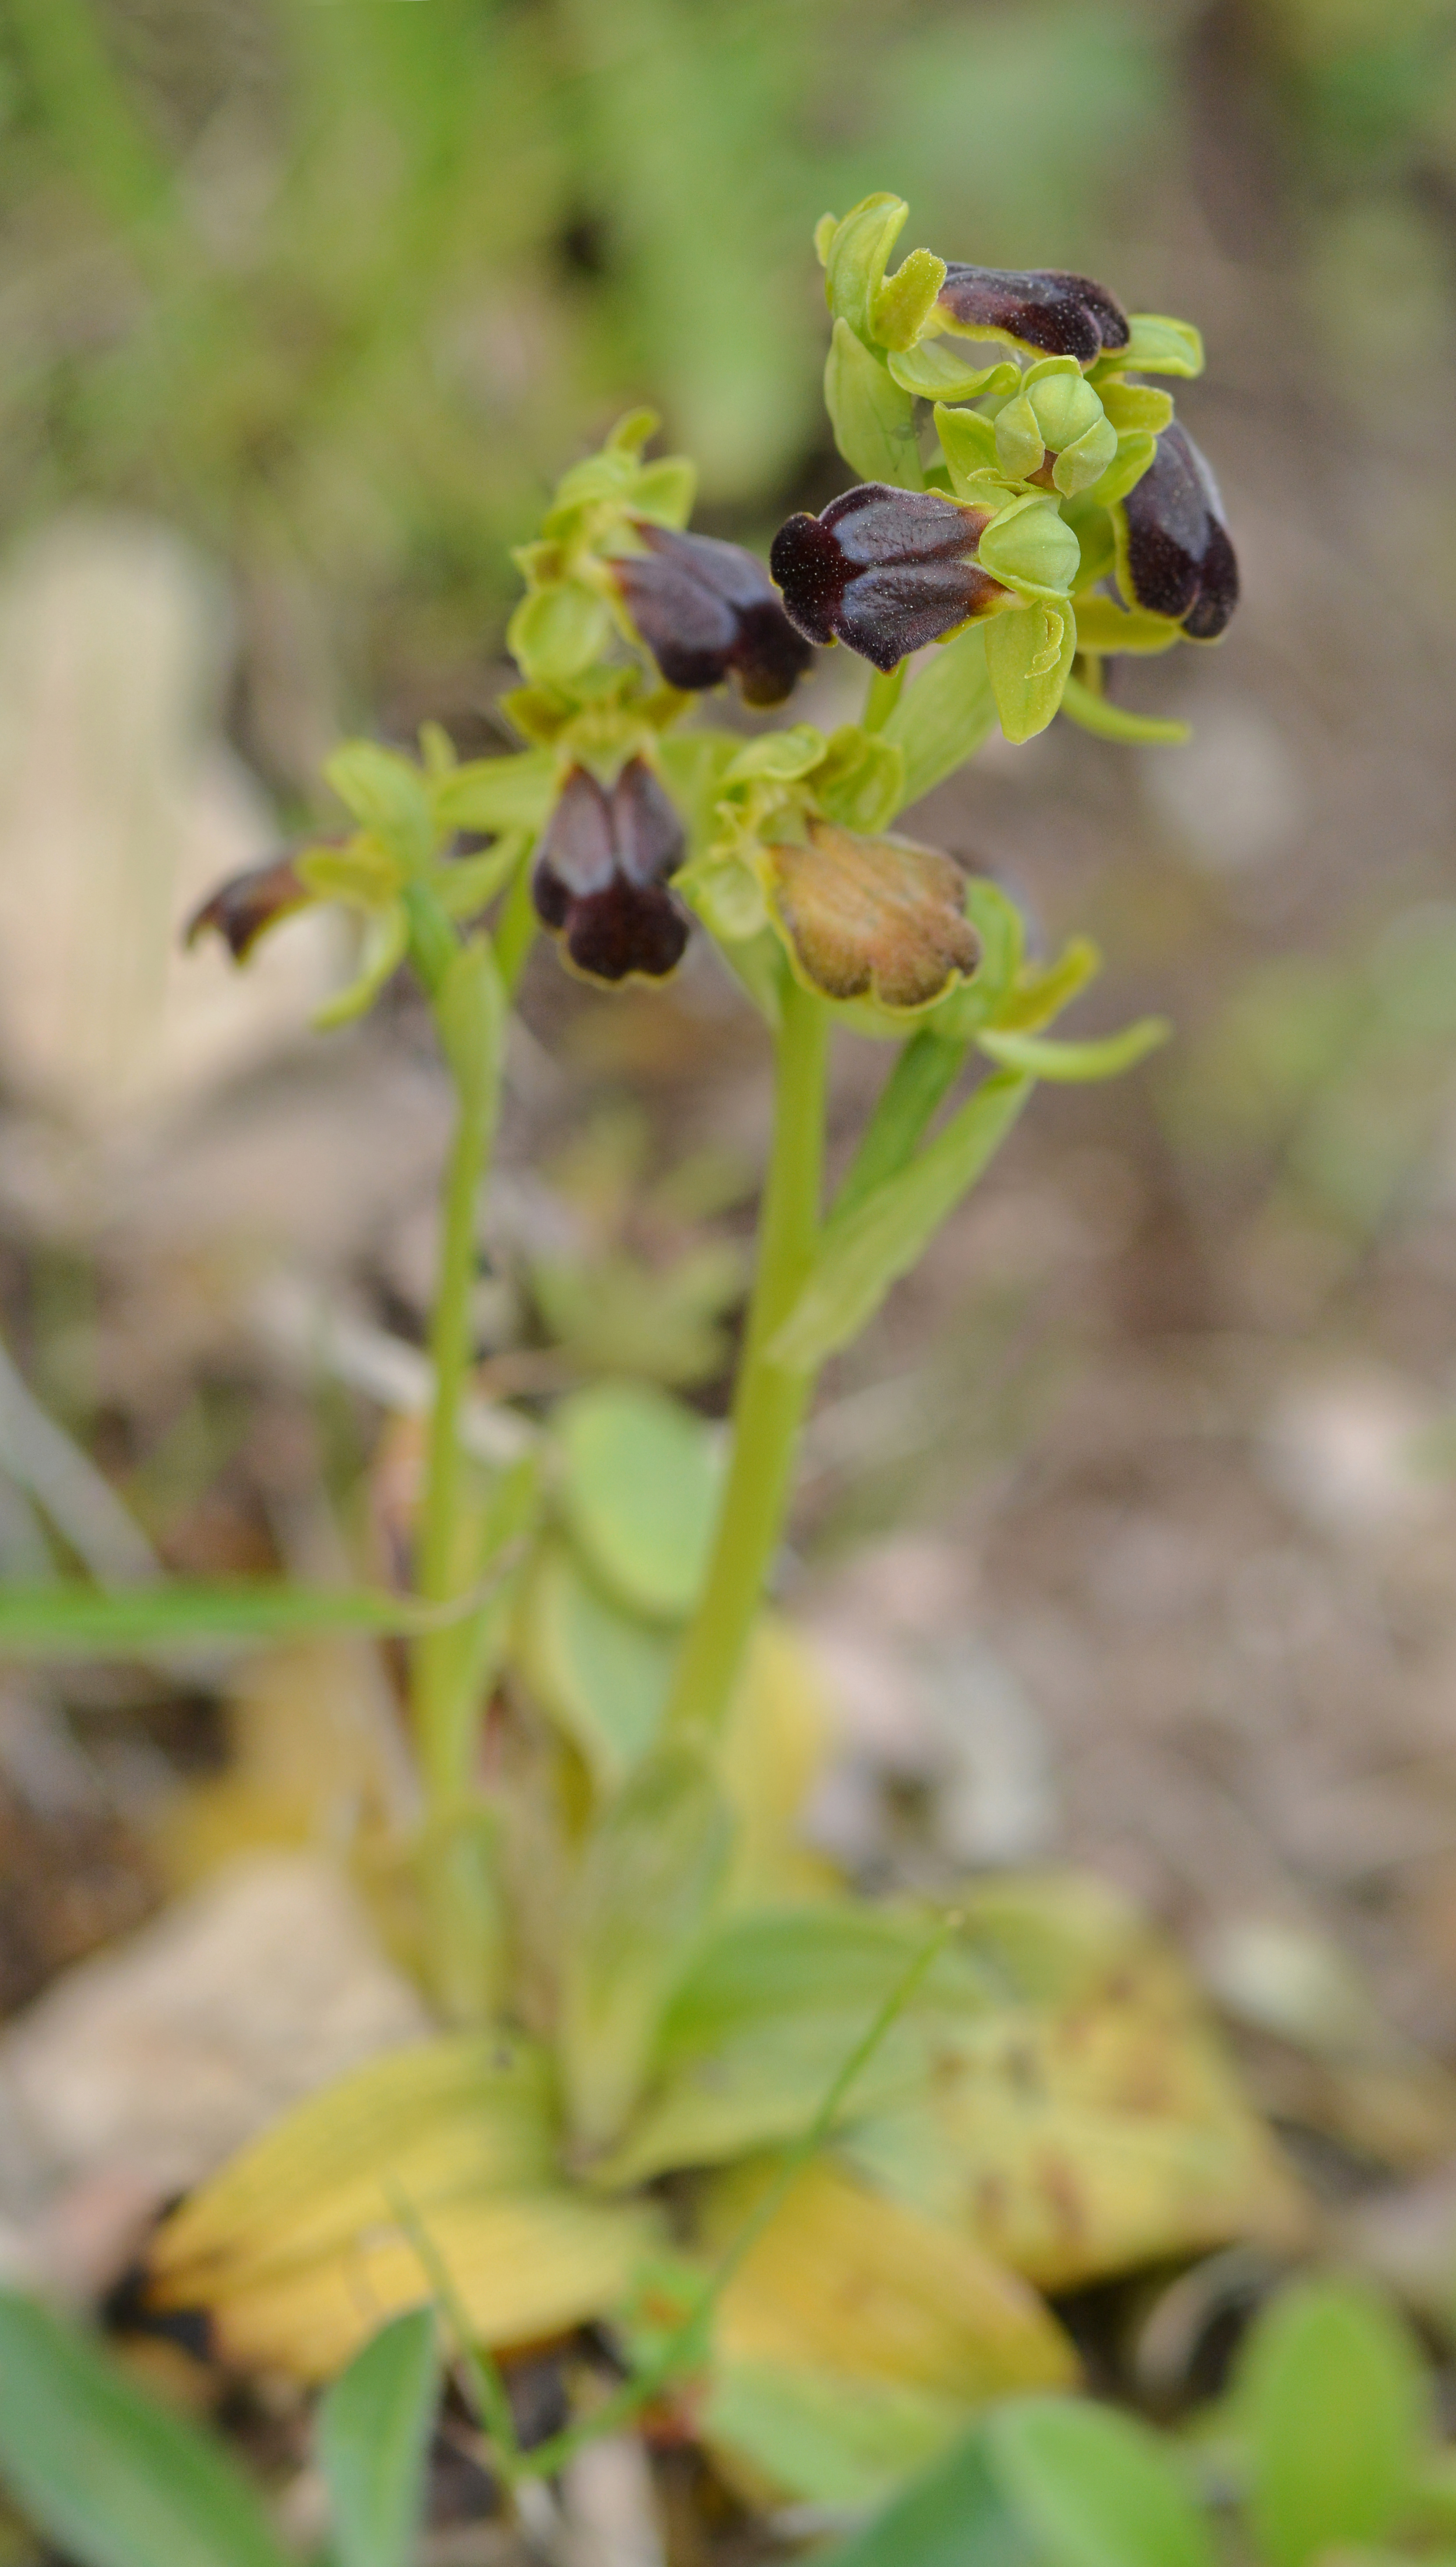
x=1092, y=2488
x=921, y=1079
x=873, y=419
x=944, y=713
x=600, y=1674
x=373, y=2435
x=650, y=1877
x=1332, y=2399
x=641, y=1493
x=1092, y=711
x=386, y=794
x=1072, y=1062
x=828, y=2437
x=498, y=792
x=936, y=370
x=110, y=2476
x=857, y=254
x=888, y=1234
x=1029, y=655
x=954, y=2516
x=68, y=1620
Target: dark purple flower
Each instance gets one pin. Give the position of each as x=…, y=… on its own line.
x=704, y=608
x=1181, y=561
x=600, y=874
x=883, y=570
x=1041, y=308
x=244, y=907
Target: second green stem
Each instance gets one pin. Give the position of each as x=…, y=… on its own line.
x=770, y=1401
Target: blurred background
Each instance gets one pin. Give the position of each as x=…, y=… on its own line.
x=1130, y=1532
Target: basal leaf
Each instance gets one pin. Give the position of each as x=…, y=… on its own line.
x=640, y=1491
x=1332, y=2399
x=373, y=2436
x=954, y=2514
x=600, y=1674
x=888, y=1233
x=1094, y=2488
x=110, y=2476
x=779, y=2432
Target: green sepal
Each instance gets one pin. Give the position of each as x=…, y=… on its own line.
x=465, y=885
x=1105, y=628
x=1073, y=1063
x=1136, y=406
x=944, y=713
x=905, y=301
x=384, y=945
x=1041, y=991
x=364, y=873
x=1028, y=547
x=861, y=781
x=1158, y=346
x=824, y=237
x=664, y=492
x=1029, y=653
x=1091, y=711
x=1096, y=543
x=859, y=253
x=387, y=794
x=968, y=444
x=557, y=632
x=498, y=793
x=872, y=419
x=1137, y=447
x=936, y=370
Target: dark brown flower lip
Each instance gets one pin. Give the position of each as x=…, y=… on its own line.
x=245, y=906
x=707, y=609
x=1046, y=308
x=883, y=570
x=1180, y=558
x=600, y=872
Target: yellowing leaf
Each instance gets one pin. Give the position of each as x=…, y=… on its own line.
x=297, y=2249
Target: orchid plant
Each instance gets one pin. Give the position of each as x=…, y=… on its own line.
x=648, y=1976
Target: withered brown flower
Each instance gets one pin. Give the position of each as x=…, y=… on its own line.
x=707, y=610
x=245, y=906
x=883, y=570
x=1180, y=560
x=1040, y=307
x=872, y=918
x=601, y=873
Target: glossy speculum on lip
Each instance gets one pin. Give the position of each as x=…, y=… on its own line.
x=601, y=875
x=1180, y=560
x=1058, y=314
x=708, y=610
x=883, y=570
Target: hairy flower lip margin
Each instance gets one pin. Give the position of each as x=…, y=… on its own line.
x=707, y=609
x=243, y=908
x=1046, y=308
x=883, y=570
x=871, y=918
x=600, y=872
x=1180, y=558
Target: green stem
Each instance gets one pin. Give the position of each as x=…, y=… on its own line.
x=769, y=1405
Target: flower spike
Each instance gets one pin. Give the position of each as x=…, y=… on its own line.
x=1042, y=308
x=706, y=609
x=601, y=876
x=883, y=570
x=1181, y=561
